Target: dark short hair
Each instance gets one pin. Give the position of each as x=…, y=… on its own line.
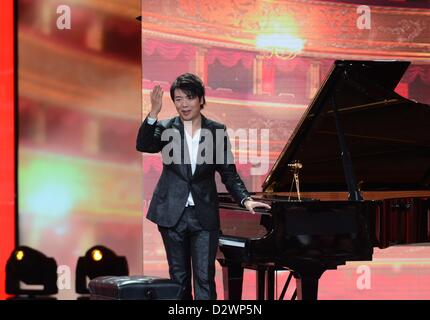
x=191, y=85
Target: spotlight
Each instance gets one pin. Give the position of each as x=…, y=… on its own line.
x=98, y=261
x=32, y=268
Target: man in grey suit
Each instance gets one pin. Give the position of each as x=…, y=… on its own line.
x=185, y=200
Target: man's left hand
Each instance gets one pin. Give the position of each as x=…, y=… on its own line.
x=251, y=204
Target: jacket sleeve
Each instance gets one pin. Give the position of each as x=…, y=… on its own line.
x=229, y=175
x=149, y=137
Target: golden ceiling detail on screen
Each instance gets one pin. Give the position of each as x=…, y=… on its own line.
x=326, y=28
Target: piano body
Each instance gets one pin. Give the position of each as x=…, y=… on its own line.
x=360, y=159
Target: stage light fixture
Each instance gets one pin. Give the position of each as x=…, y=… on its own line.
x=98, y=261
x=97, y=255
x=30, y=272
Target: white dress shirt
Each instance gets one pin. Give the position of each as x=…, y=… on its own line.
x=193, y=148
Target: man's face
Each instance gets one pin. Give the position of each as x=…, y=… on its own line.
x=188, y=107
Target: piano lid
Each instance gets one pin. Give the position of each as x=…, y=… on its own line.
x=387, y=135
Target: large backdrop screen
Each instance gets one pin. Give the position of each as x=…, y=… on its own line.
x=262, y=63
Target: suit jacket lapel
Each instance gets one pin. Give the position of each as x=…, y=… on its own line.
x=185, y=165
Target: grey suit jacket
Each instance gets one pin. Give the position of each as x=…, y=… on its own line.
x=177, y=180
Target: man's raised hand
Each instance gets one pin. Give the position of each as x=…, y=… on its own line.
x=156, y=101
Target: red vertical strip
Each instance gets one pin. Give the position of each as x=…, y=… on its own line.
x=269, y=76
x=7, y=138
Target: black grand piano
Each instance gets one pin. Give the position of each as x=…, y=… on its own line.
x=354, y=175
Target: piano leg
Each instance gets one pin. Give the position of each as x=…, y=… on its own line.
x=232, y=274
x=260, y=283
x=265, y=281
x=307, y=282
x=307, y=287
x=307, y=273
x=270, y=284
